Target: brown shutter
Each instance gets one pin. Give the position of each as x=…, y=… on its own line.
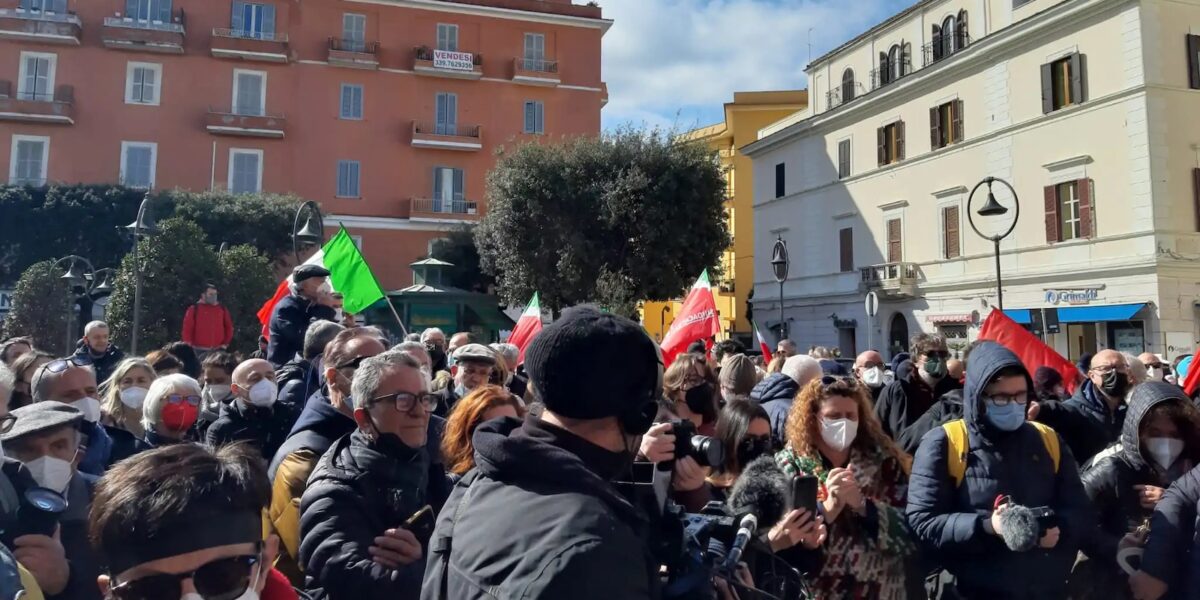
x=846, y=247
x=894, y=250
x=882, y=133
x=899, y=140
x=963, y=32
x=844, y=158
x=1193, y=50
x=1078, y=78
x=937, y=42
x=935, y=128
x=950, y=225
x=1047, y=88
x=1087, y=214
x=1052, y=233
x=957, y=121
x=1196, y=195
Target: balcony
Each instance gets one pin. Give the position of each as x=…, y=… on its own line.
x=945, y=46
x=893, y=280
x=441, y=136
x=45, y=27
x=28, y=107
x=139, y=35
x=535, y=71
x=842, y=94
x=432, y=209
x=261, y=46
x=443, y=63
x=220, y=122
x=353, y=53
x=882, y=76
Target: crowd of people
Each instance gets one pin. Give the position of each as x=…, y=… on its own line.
x=344, y=464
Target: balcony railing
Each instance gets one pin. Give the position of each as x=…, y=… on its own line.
x=354, y=53
x=447, y=136
x=127, y=33
x=881, y=77
x=220, y=121
x=898, y=279
x=176, y=25
x=539, y=65
x=266, y=46
x=536, y=71
x=37, y=107
x=438, y=208
x=943, y=46
x=52, y=27
x=448, y=129
x=445, y=63
x=247, y=34
x=843, y=94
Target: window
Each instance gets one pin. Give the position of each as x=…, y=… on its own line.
x=30, y=155
x=846, y=249
x=843, y=159
x=893, y=71
x=1193, y=50
x=249, y=93
x=37, y=76
x=148, y=11
x=253, y=20
x=847, y=85
x=142, y=81
x=945, y=124
x=891, y=143
x=535, y=52
x=447, y=37
x=354, y=32
x=447, y=114
x=947, y=37
x=347, y=178
x=951, y=225
x=962, y=35
x=50, y=6
x=1069, y=210
x=352, y=101
x=138, y=160
x=895, y=241
x=448, y=190
x=780, y=187
x=1063, y=83
x=535, y=117
x=245, y=171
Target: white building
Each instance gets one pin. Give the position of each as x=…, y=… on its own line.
x=1089, y=108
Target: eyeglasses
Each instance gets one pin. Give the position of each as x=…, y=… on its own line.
x=189, y=398
x=7, y=422
x=221, y=579
x=828, y=381
x=62, y=364
x=1105, y=370
x=404, y=402
x=1006, y=399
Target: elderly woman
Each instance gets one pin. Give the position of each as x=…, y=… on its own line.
x=484, y=404
x=23, y=369
x=127, y=390
x=170, y=409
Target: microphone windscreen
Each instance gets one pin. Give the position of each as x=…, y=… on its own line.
x=1018, y=527
x=761, y=489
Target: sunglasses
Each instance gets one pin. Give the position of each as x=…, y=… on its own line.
x=828, y=381
x=221, y=579
x=62, y=364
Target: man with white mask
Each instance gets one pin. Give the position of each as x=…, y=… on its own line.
x=72, y=381
x=869, y=369
x=45, y=437
x=253, y=415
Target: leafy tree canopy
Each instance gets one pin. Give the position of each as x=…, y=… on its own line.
x=458, y=248
x=39, y=307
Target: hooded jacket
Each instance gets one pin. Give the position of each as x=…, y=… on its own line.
x=904, y=400
x=289, y=322
x=1085, y=421
x=948, y=408
x=952, y=522
x=1172, y=553
x=1110, y=478
x=776, y=394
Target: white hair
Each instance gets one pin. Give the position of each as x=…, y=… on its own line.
x=369, y=375
x=428, y=333
x=94, y=325
x=156, y=398
x=7, y=381
x=1136, y=369
x=510, y=352
x=802, y=369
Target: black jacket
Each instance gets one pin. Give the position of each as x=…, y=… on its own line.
x=289, y=322
x=265, y=428
x=298, y=380
x=1084, y=421
x=1173, y=550
x=73, y=525
x=904, y=400
x=124, y=444
x=948, y=408
x=447, y=398
x=775, y=393
x=534, y=519
x=316, y=429
x=104, y=364
x=360, y=489
x=951, y=521
x=518, y=385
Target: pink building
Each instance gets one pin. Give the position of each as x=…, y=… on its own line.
x=386, y=112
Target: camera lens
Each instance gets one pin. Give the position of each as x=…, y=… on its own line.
x=707, y=451
x=46, y=500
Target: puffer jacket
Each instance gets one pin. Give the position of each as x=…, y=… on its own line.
x=952, y=522
x=298, y=381
x=1084, y=421
x=360, y=489
x=265, y=428
x=1172, y=553
x=289, y=322
x=948, y=408
x=1109, y=478
x=104, y=364
x=776, y=394
x=906, y=399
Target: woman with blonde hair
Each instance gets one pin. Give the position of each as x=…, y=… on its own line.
x=833, y=435
x=126, y=392
x=484, y=404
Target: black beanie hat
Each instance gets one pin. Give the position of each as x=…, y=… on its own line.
x=591, y=365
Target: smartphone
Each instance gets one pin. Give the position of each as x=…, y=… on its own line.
x=421, y=523
x=804, y=493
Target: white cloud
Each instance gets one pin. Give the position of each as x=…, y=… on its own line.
x=675, y=62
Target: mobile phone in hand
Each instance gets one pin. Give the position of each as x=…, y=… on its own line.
x=421, y=523
x=804, y=493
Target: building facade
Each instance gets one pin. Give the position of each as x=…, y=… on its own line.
x=386, y=112
x=1081, y=105
x=744, y=117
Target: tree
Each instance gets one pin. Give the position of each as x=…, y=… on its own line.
x=263, y=221
x=247, y=280
x=629, y=216
x=39, y=308
x=458, y=248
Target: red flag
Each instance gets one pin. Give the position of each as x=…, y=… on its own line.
x=697, y=320
x=1192, y=379
x=528, y=326
x=1032, y=351
x=762, y=342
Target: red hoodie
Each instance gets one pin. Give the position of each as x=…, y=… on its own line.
x=207, y=326
x=278, y=588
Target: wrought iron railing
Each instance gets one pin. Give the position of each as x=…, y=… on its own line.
x=843, y=94
x=454, y=129
x=944, y=46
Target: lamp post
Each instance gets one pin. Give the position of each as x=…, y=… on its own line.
x=779, y=265
x=144, y=225
x=76, y=277
x=313, y=231
x=662, y=322
x=991, y=208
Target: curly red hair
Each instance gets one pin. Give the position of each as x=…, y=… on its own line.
x=804, y=421
x=468, y=413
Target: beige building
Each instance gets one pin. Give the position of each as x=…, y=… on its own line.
x=1084, y=106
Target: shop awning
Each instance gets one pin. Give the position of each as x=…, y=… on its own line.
x=1020, y=315
x=1090, y=314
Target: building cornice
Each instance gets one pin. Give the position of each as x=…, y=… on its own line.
x=496, y=12
x=890, y=21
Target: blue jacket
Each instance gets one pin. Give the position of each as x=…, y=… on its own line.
x=949, y=521
x=775, y=394
x=289, y=322
x=98, y=455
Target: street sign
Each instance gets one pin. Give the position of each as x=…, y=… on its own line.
x=872, y=304
x=779, y=260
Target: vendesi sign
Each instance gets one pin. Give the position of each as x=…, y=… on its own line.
x=1075, y=297
x=454, y=61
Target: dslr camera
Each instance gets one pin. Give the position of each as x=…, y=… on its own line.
x=707, y=451
x=1047, y=519
x=27, y=509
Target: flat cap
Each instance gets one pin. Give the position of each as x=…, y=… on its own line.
x=41, y=416
x=303, y=272
x=475, y=353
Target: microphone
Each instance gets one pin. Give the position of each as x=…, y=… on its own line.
x=761, y=490
x=745, y=531
x=1018, y=527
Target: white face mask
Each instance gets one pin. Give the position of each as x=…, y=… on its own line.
x=873, y=376
x=263, y=393
x=1154, y=374
x=50, y=472
x=133, y=397
x=249, y=594
x=838, y=433
x=215, y=393
x=338, y=313
x=90, y=407
x=1164, y=451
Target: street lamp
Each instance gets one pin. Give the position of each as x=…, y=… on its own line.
x=991, y=208
x=662, y=322
x=76, y=277
x=779, y=265
x=144, y=225
x=313, y=231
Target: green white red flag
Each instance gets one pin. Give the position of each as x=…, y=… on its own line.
x=697, y=320
x=527, y=328
x=762, y=342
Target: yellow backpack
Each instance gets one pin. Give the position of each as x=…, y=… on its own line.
x=957, y=439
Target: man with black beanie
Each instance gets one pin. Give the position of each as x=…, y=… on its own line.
x=539, y=516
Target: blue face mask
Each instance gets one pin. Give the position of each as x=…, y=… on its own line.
x=1009, y=417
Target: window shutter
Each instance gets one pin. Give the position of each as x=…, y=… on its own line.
x=957, y=121
x=844, y=158
x=1050, y=193
x=1087, y=215
x=268, y=21
x=529, y=117
x=452, y=114
x=846, y=247
x=899, y=140
x=1078, y=78
x=963, y=33
x=906, y=59
x=458, y=185
x=235, y=21
x=882, y=134
x=881, y=73
x=936, y=40
x=437, y=189
x=894, y=252
x=1193, y=50
x=935, y=128
x=1047, y=88
x=780, y=183
x=950, y=228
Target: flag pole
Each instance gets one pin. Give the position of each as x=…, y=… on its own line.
x=399, y=322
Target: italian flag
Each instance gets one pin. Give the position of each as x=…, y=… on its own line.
x=697, y=320
x=528, y=326
x=349, y=275
x=762, y=342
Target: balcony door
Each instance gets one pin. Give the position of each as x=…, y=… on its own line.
x=448, y=190
x=447, y=114
x=148, y=11
x=253, y=20
x=37, y=77
x=535, y=52
x=354, y=32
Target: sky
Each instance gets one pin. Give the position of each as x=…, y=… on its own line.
x=674, y=63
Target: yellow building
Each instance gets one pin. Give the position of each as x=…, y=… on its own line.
x=744, y=117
